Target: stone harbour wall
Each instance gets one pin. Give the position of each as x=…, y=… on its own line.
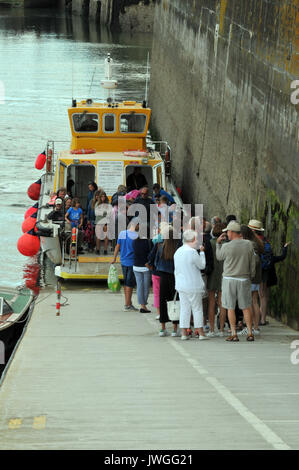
x=126, y=15
x=221, y=77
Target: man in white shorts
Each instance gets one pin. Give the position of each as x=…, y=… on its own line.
x=238, y=270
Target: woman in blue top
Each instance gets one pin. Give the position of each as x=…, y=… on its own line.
x=75, y=214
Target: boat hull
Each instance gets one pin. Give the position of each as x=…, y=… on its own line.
x=51, y=248
x=11, y=326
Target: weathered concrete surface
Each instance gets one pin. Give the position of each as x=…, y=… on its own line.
x=136, y=15
x=221, y=75
x=30, y=3
x=100, y=378
x=126, y=15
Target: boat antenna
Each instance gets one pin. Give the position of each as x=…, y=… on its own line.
x=92, y=80
x=147, y=77
x=73, y=101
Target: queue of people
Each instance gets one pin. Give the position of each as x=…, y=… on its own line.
x=220, y=271
x=233, y=286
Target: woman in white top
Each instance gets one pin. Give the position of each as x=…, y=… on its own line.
x=103, y=221
x=188, y=264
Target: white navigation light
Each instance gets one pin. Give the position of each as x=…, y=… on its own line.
x=109, y=84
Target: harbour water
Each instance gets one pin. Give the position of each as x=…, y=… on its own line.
x=47, y=58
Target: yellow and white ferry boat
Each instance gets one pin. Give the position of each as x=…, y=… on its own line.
x=109, y=139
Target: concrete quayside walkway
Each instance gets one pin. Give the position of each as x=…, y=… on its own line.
x=97, y=377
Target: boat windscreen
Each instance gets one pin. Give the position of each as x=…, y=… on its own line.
x=5, y=308
x=86, y=122
x=132, y=122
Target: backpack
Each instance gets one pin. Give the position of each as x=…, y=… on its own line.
x=267, y=256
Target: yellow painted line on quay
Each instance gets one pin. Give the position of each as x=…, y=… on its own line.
x=15, y=423
x=39, y=422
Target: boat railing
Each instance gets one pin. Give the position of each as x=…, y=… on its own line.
x=69, y=245
x=164, y=150
x=51, y=153
x=159, y=146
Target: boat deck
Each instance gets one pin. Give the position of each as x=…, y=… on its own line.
x=89, y=266
x=97, y=377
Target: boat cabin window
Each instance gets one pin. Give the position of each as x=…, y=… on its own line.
x=86, y=122
x=109, y=123
x=132, y=123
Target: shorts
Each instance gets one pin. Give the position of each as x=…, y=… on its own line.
x=234, y=291
x=255, y=287
x=129, y=276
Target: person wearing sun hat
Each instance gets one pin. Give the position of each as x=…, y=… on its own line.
x=238, y=269
x=256, y=225
x=268, y=259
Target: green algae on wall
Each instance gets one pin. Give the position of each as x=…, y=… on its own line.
x=283, y=225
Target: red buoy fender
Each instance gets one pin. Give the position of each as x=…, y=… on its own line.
x=28, y=244
x=40, y=160
x=29, y=223
x=34, y=190
x=31, y=210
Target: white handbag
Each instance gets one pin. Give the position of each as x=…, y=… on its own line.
x=173, y=308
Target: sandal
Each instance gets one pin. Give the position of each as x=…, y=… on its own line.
x=233, y=338
x=250, y=338
x=263, y=324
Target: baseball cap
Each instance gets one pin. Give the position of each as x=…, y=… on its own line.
x=233, y=226
x=58, y=201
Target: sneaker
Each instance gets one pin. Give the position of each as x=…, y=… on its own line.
x=206, y=328
x=184, y=337
x=143, y=310
x=202, y=338
x=163, y=333
x=211, y=334
x=256, y=331
x=158, y=317
x=243, y=332
x=130, y=308
x=175, y=334
x=220, y=333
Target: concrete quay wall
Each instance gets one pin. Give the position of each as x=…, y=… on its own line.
x=221, y=77
x=126, y=15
